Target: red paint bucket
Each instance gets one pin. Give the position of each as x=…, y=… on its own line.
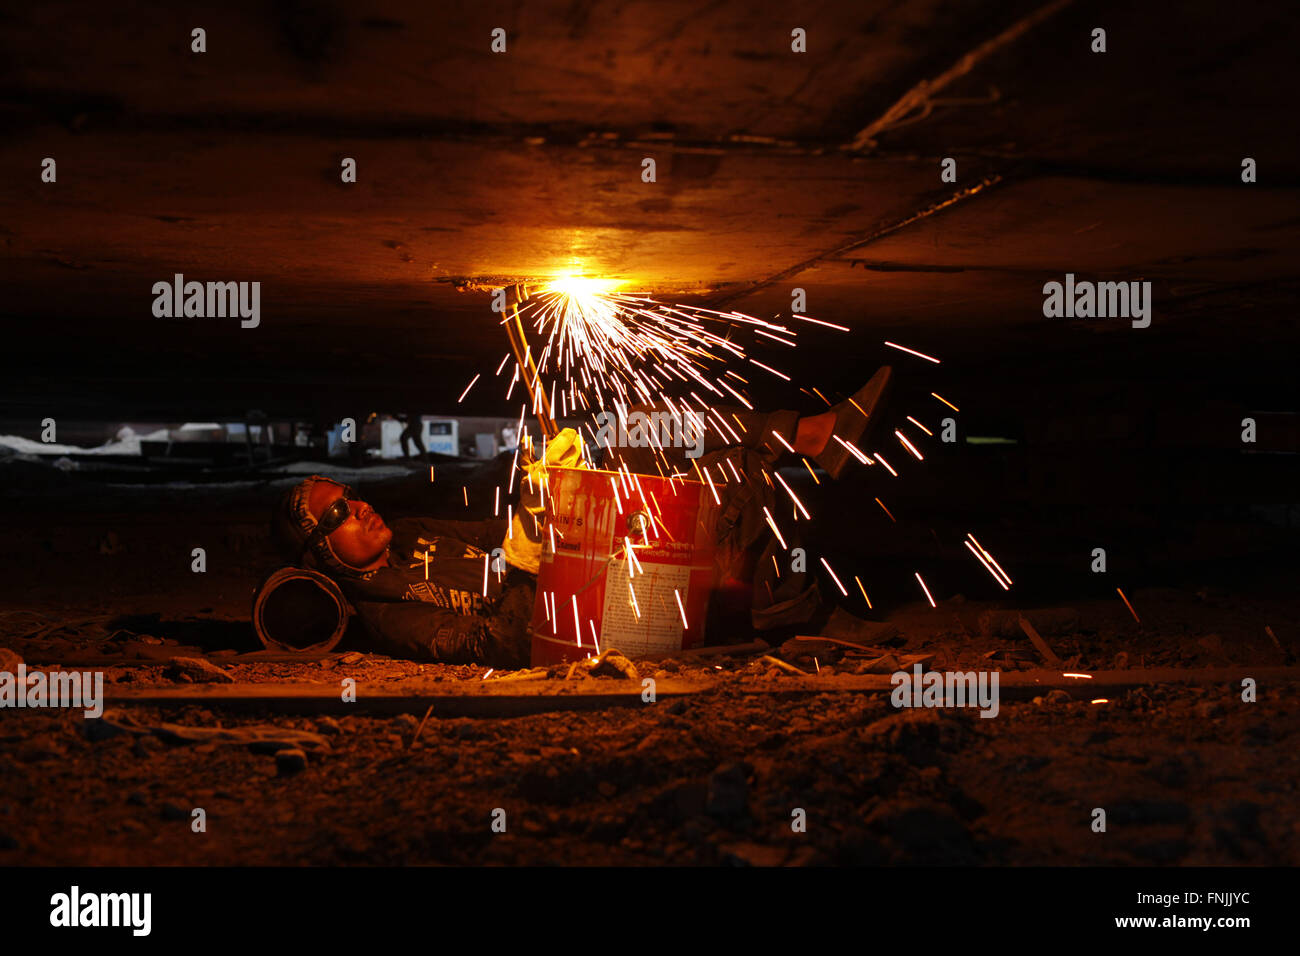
x=586, y=597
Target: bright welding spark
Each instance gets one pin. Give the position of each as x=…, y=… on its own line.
x=792, y=495
x=677, y=594
x=997, y=567
x=788, y=446
x=496, y=502
x=904, y=348
x=577, y=624
x=908, y=445
x=886, y=464
x=853, y=450
x=829, y=325
x=986, y=565
x=945, y=401
x=1100, y=700
x=594, y=639
x=863, y=590
x=1130, y=607
x=431, y=474
x=887, y=511
x=464, y=490
x=925, y=589
x=833, y=577
x=775, y=529
x=485, y=574
x=1080, y=676
x=467, y=388
x=920, y=426
x=489, y=672
x=811, y=472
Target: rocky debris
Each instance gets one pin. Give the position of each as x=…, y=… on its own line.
x=290, y=762
x=351, y=657
x=260, y=738
x=728, y=793
x=922, y=737
x=842, y=625
x=609, y=663
x=9, y=660
x=1059, y=621
x=197, y=670
x=328, y=725
x=923, y=832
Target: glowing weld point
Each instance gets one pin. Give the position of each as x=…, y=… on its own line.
x=467, y=388
x=908, y=445
x=677, y=594
x=833, y=577
x=886, y=464
x=925, y=589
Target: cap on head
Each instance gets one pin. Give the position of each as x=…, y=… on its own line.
x=292, y=525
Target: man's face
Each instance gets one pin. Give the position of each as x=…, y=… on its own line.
x=363, y=538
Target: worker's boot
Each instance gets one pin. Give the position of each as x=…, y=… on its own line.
x=855, y=419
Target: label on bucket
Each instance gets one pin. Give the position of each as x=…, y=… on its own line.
x=585, y=599
x=643, y=612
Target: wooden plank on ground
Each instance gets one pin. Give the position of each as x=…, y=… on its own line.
x=516, y=698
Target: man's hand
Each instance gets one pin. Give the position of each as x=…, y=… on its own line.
x=516, y=295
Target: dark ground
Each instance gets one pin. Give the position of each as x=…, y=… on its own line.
x=1188, y=773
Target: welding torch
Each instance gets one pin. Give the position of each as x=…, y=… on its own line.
x=515, y=296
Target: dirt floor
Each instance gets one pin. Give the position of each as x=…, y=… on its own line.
x=1187, y=774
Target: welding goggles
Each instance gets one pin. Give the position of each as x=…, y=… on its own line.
x=330, y=520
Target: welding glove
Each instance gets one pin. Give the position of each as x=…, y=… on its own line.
x=523, y=543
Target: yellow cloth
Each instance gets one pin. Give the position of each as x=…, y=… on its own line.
x=523, y=543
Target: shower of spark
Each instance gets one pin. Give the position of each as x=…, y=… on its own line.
x=594, y=349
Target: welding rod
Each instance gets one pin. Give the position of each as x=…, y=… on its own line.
x=527, y=367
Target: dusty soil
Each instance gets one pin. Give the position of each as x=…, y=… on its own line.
x=1186, y=774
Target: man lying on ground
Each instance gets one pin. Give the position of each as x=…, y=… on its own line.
x=418, y=587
